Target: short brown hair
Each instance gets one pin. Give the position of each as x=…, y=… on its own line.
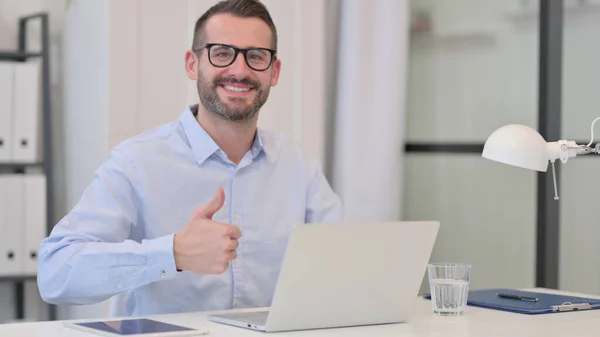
x=240, y=8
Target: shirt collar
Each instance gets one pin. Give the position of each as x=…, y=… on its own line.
x=200, y=141
x=257, y=146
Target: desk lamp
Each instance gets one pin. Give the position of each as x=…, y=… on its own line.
x=522, y=146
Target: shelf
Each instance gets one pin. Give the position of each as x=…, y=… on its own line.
x=17, y=56
x=18, y=165
x=22, y=54
x=455, y=36
x=18, y=278
x=447, y=147
x=585, y=9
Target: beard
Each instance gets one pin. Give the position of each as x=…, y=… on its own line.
x=236, y=109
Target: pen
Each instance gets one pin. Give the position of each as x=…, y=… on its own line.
x=518, y=297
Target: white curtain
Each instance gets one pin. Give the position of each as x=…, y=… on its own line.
x=370, y=108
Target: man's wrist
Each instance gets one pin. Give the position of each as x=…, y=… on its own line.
x=159, y=258
x=178, y=266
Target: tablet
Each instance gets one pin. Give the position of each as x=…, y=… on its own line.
x=141, y=327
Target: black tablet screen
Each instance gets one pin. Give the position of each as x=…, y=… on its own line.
x=134, y=326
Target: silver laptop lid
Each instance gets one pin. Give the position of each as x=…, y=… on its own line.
x=350, y=274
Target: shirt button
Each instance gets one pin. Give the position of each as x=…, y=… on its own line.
x=65, y=223
x=164, y=274
x=120, y=286
x=235, y=216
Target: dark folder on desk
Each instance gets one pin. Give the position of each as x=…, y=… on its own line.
x=546, y=303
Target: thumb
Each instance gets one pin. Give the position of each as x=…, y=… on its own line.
x=208, y=210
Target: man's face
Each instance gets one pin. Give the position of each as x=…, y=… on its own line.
x=235, y=92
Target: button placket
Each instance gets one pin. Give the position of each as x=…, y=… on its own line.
x=236, y=220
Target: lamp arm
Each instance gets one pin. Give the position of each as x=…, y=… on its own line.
x=565, y=149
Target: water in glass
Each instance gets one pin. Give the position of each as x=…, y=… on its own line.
x=449, y=296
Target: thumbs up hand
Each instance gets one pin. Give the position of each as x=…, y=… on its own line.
x=204, y=246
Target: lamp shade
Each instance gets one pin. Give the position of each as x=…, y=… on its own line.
x=517, y=145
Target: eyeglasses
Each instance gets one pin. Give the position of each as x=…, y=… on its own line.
x=223, y=55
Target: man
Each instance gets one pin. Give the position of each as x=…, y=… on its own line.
x=194, y=215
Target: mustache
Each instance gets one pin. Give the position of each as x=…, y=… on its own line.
x=230, y=80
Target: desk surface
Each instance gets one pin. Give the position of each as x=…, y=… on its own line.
x=475, y=322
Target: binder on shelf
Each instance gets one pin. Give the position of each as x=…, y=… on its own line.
x=11, y=227
x=27, y=112
x=6, y=111
x=34, y=220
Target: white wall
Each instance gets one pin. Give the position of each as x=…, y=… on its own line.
x=86, y=106
x=474, y=72
x=136, y=79
x=147, y=77
x=579, y=226
x=10, y=11
x=452, y=80
x=297, y=106
x=480, y=72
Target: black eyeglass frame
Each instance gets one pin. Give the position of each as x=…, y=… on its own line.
x=236, y=51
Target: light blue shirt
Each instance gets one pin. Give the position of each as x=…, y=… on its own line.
x=118, y=239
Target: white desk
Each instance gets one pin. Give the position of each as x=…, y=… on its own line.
x=476, y=322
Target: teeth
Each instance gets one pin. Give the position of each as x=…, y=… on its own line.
x=236, y=89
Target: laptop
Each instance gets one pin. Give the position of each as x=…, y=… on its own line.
x=345, y=274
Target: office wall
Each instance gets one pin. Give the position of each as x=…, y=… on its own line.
x=465, y=114
x=579, y=186
x=478, y=71
x=10, y=10
x=86, y=84
x=147, y=78
x=475, y=70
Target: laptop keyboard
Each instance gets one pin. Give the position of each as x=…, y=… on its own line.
x=255, y=317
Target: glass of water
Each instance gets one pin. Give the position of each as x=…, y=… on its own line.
x=449, y=285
